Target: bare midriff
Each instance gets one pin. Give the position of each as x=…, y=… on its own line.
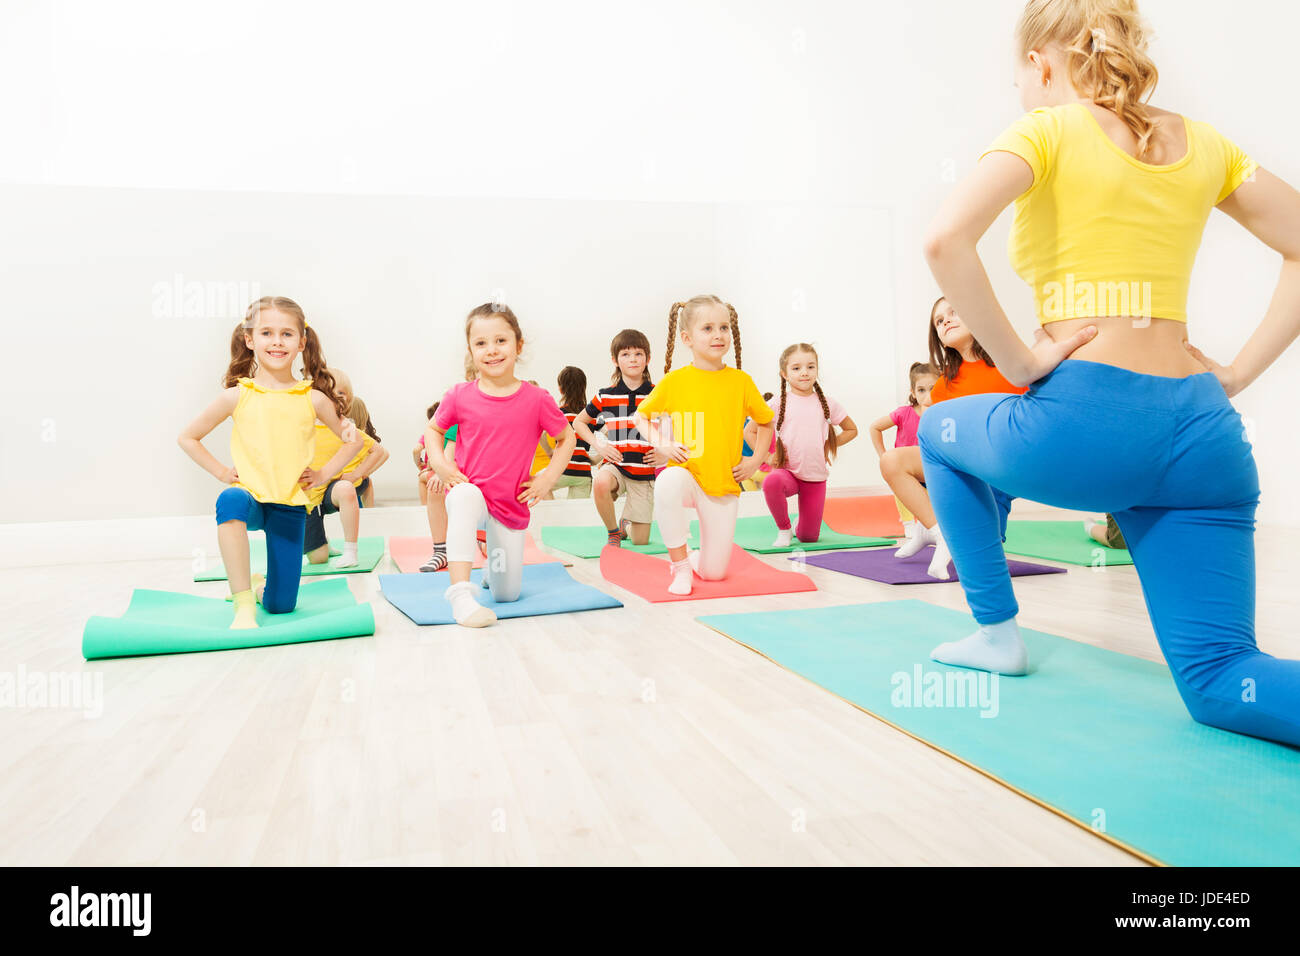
x=1147, y=346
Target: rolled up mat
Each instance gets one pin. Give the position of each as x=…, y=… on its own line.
x=881, y=565
x=1064, y=541
x=757, y=534
x=647, y=577
x=409, y=553
x=870, y=515
x=546, y=589
x=369, y=551
x=164, y=622
x=1099, y=737
x=589, y=542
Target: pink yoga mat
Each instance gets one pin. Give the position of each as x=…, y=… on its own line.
x=409, y=553
x=646, y=576
x=875, y=516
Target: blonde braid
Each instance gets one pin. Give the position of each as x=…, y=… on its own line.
x=735, y=332
x=672, y=334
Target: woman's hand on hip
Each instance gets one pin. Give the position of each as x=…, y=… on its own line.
x=1046, y=353
x=1226, y=374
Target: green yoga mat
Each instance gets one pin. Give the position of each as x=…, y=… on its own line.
x=1064, y=541
x=164, y=622
x=588, y=542
x=369, y=553
x=1099, y=737
x=757, y=534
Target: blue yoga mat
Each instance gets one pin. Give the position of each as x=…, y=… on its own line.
x=547, y=589
x=1100, y=737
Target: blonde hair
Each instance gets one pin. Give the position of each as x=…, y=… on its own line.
x=687, y=312
x=1105, y=46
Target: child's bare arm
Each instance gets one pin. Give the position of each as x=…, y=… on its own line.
x=191, y=437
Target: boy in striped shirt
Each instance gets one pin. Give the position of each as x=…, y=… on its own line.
x=629, y=462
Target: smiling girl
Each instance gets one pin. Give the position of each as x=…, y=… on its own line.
x=272, y=444
x=498, y=419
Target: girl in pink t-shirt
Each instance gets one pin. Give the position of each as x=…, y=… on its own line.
x=806, y=443
x=907, y=419
x=489, y=486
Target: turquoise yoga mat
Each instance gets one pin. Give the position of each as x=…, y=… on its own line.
x=1101, y=738
x=369, y=552
x=164, y=622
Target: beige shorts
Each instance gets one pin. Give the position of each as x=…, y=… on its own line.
x=639, y=496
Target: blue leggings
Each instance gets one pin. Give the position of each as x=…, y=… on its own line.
x=1168, y=457
x=284, y=526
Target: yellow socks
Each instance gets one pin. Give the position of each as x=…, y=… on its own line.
x=245, y=610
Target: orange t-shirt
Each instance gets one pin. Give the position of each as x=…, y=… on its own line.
x=973, y=378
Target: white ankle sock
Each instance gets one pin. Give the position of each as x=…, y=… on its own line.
x=914, y=544
x=349, y=556
x=994, y=647
x=783, y=538
x=939, y=561
x=681, y=576
x=465, y=609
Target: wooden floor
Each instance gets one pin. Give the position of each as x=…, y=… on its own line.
x=625, y=736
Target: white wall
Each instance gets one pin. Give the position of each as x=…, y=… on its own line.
x=825, y=103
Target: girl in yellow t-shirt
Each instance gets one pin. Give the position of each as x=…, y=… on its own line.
x=698, y=415
x=272, y=444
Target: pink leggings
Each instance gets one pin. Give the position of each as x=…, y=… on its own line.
x=779, y=486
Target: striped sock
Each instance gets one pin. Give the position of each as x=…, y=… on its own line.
x=615, y=537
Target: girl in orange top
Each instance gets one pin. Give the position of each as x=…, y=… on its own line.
x=964, y=369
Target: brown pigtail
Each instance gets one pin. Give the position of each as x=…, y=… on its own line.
x=243, y=363
x=313, y=363
x=735, y=332
x=672, y=335
x=832, y=440
x=780, y=420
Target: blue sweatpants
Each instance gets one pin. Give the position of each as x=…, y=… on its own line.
x=1169, y=458
x=284, y=526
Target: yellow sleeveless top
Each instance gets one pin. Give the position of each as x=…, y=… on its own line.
x=327, y=446
x=273, y=441
x=1102, y=233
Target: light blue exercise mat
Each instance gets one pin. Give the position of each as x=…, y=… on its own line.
x=165, y=622
x=545, y=589
x=1099, y=737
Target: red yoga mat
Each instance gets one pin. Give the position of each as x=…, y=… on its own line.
x=409, y=553
x=875, y=516
x=646, y=576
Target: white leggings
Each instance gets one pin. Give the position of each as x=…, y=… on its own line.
x=676, y=490
x=466, y=514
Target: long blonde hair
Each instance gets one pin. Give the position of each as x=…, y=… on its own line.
x=1105, y=46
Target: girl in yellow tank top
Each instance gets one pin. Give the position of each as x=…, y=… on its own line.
x=271, y=444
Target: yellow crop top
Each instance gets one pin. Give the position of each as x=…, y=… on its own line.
x=327, y=446
x=273, y=441
x=1101, y=233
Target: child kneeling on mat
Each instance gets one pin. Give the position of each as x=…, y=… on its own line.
x=806, y=444
x=706, y=403
x=272, y=444
x=907, y=419
x=629, y=462
x=499, y=419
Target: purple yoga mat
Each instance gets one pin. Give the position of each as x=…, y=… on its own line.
x=879, y=564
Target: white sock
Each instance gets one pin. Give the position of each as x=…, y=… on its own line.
x=349, y=557
x=465, y=609
x=783, y=538
x=919, y=540
x=994, y=647
x=939, y=561
x=681, y=577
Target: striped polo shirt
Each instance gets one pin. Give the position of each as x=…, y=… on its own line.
x=612, y=409
x=580, y=463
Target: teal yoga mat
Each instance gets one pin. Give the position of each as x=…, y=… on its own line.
x=588, y=542
x=1099, y=737
x=1064, y=541
x=369, y=553
x=164, y=622
x=757, y=534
